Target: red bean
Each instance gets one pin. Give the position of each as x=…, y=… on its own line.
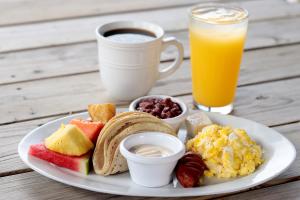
x=161, y=108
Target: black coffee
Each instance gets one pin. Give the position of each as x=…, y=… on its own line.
x=129, y=35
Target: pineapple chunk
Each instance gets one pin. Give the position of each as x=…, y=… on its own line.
x=101, y=112
x=69, y=140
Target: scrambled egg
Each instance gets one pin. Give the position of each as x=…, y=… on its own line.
x=227, y=152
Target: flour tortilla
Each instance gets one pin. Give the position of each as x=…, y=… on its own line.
x=109, y=131
x=119, y=163
x=107, y=158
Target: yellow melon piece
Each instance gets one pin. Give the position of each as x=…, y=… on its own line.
x=69, y=140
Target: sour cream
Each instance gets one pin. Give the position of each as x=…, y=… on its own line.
x=151, y=171
x=150, y=150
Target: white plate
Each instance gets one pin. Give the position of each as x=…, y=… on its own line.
x=279, y=153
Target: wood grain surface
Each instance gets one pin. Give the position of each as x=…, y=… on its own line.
x=28, y=11
x=48, y=69
x=73, y=59
x=67, y=31
x=47, y=97
x=34, y=186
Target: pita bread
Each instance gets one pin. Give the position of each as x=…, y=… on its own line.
x=107, y=158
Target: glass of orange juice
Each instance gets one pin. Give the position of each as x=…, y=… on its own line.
x=217, y=36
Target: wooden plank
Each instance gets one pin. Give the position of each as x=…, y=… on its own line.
x=271, y=103
x=286, y=191
x=34, y=186
x=26, y=11
x=82, y=58
x=29, y=100
x=67, y=31
x=291, y=131
x=10, y=136
x=269, y=64
x=48, y=62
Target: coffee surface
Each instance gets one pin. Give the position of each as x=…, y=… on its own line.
x=129, y=35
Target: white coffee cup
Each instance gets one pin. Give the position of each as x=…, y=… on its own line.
x=130, y=69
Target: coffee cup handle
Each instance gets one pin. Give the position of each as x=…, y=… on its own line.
x=178, y=60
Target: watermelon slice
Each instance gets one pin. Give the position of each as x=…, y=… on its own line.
x=75, y=163
x=91, y=129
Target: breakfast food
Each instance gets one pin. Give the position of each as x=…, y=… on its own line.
x=90, y=129
x=75, y=163
x=107, y=158
x=227, y=152
x=153, y=169
x=158, y=107
x=214, y=151
x=71, y=145
x=150, y=150
x=196, y=122
x=190, y=169
x=69, y=140
x=102, y=112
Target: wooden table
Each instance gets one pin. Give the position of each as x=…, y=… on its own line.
x=48, y=68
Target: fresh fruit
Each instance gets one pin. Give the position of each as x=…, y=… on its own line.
x=75, y=163
x=69, y=140
x=91, y=129
x=102, y=112
x=189, y=170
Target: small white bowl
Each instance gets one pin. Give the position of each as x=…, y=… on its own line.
x=152, y=171
x=175, y=122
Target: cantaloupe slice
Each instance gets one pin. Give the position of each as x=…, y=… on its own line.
x=69, y=140
x=91, y=129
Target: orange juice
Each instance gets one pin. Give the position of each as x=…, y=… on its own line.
x=217, y=43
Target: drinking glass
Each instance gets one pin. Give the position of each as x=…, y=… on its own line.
x=217, y=36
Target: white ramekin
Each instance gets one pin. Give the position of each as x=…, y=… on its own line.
x=152, y=171
x=175, y=122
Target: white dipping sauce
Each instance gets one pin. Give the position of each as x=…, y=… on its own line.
x=150, y=150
